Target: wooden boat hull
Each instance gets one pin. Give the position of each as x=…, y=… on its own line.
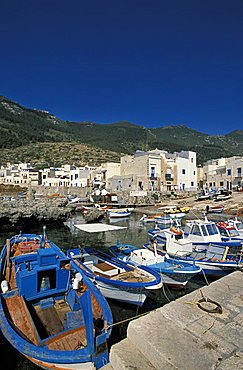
x=55, y=366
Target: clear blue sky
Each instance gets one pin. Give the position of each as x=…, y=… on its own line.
x=151, y=62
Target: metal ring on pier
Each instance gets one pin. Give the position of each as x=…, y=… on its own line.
x=216, y=309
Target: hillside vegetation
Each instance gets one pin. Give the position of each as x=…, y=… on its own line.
x=37, y=136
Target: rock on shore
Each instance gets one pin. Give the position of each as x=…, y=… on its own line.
x=29, y=210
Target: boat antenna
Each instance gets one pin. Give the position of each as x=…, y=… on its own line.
x=43, y=238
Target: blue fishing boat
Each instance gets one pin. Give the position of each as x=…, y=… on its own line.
x=115, y=279
x=216, y=258
x=197, y=234
x=174, y=274
x=50, y=312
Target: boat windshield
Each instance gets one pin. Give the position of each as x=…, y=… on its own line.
x=204, y=230
x=195, y=230
x=239, y=225
x=224, y=232
x=212, y=230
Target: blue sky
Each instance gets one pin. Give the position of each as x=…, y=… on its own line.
x=151, y=62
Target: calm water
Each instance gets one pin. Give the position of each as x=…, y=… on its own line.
x=68, y=236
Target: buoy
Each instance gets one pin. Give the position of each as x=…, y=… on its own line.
x=4, y=286
x=77, y=280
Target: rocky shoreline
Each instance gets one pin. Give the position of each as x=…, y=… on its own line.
x=18, y=213
x=26, y=212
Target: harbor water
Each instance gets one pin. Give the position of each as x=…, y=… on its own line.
x=67, y=236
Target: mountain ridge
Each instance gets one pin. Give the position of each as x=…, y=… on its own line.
x=21, y=126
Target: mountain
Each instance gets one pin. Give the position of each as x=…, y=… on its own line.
x=24, y=131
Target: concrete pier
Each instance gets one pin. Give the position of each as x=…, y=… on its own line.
x=180, y=335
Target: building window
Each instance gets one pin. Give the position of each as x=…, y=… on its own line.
x=192, y=160
x=183, y=171
x=229, y=172
x=152, y=171
x=221, y=183
x=194, y=173
x=192, y=183
x=239, y=171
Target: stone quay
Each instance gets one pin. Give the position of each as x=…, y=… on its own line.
x=181, y=335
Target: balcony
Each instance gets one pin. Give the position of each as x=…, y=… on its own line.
x=169, y=177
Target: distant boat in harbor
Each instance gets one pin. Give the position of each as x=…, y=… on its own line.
x=118, y=213
x=214, y=209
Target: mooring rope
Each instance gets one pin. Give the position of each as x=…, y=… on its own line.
x=217, y=309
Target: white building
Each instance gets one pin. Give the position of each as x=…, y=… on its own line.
x=223, y=172
x=80, y=176
x=158, y=170
x=186, y=170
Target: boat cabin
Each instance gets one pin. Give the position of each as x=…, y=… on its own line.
x=202, y=231
x=145, y=257
x=40, y=272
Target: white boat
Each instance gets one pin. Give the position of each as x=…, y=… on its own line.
x=200, y=243
x=203, y=195
x=214, y=209
x=173, y=274
x=196, y=234
x=222, y=194
x=114, y=278
x=229, y=232
x=117, y=214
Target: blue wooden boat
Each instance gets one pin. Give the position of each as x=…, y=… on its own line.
x=115, y=279
x=174, y=274
x=50, y=312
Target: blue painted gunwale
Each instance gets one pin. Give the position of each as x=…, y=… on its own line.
x=118, y=263
x=168, y=267
x=212, y=268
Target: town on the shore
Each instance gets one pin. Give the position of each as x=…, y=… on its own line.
x=145, y=171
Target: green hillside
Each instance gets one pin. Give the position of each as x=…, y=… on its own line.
x=22, y=131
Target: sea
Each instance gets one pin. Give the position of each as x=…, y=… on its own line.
x=67, y=236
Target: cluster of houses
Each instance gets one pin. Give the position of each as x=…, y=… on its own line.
x=155, y=170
